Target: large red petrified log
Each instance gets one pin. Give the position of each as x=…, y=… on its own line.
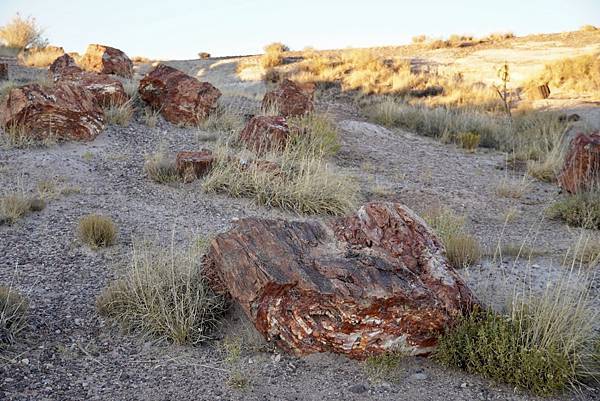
x=581, y=171
x=106, y=60
x=263, y=133
x=370, y=283
x=181, y=99
x=63, y=111
x=290, y=99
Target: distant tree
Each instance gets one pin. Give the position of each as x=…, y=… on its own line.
x=22, y=33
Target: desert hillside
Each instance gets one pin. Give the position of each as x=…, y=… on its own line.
x=416, y=222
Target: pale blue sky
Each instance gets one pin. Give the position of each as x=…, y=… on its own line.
x=181, y=28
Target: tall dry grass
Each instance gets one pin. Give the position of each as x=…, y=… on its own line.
x=22, y=33
x=579, y=74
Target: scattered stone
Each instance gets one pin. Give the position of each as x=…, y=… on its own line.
x=581, y=170
x=181, y=99
x=106, y=89
x=63, y=111
x=418, y=376
x=264, y=133
x=365, y=284
x=106, y=60
x=358, y=388
x=194, y=165
x=569, y=117
x=290, y=99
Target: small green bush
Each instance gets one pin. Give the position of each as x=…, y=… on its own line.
x=97, y=231
x=468, y=140
x=579, y=210
x=13, y=309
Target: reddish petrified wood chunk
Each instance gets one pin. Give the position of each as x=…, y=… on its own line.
x=180, y=98
x=3, y=72
x=106, y=89
x=106, y=60
x=63, y=111
x=365, y=284
x=581, y=171
x=290, y=99
x=263, y=133
x=197, y=163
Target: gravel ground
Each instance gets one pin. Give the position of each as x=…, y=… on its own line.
x=69, y=353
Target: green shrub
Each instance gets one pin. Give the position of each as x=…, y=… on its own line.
x=579, y=210
x=468, y=140
x=164, y=295
x=13, y=310
x=97, y=231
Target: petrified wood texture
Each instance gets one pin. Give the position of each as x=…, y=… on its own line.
x=106, y=60
x=264, y=133
x=581, y=170
x=290, y=99
x=369, y=283
x=63, y=111
x=181, y=99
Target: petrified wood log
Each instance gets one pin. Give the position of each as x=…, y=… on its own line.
x=263, y=133
x=106, y=60
x=290, y=99
x=369, y=283
x=581, y=170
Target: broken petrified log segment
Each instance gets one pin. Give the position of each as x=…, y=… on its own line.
x=366, y=284
x=107, y=90
x=106, y=60
x=264, y=133
x=540, y=92
x=581, y=170
x=3, y=72
x=63, y=111
x=197, y=164
x=181, y=99
x=290, y=99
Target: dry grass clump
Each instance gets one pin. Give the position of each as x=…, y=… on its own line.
x=41, y=57
x=150, y=117
x=384, y=367
x=225, y=119
x=297, y=178
x=119, y=113
x=13, y=311
x=22, y=33
x=160, y=168
x=163, y=294
x=543, y=343
x=273, y=55
x=579, y=210
x=97, y=231
x=512, y=188
x=588, y=28
x=468, y=140
x=13, y=207
x=462, y=249
x=579, y=74
x=531, y=135
x=18, y=137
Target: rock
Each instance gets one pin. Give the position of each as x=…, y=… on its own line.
x=63, y=111
x=264, y=133
x=106, y=60
x=180, y=98
x=358, y=389
x=581, y=170
x=539, y=92
x=418, y=376
x=3, y=72
x=434, y=90
x=290, y=99
x=366, y=284
x=106, y=89
x=569, y=117
x=203, y=55
x=197, y=164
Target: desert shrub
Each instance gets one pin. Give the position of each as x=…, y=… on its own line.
x=119, y=113
x=22, y=33
x=579, y=210
x=150, y=117
x=276, y=47
x=315, y=135
x=499, y=36
x=163, y=294
x=419, y=39
x=13, y=310
x=160, y=168
x=579, y=74
x=383, y=367
x=14, y=206
x=272, y=76
x=543, y=342
x=41, y=56
x=462, y=249
x=588, y=28
x=512, y=188
x=468, y=140
x=273, y=55
x=97, y=231
x=203, y=55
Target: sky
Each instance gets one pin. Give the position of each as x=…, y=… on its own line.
x=179, y=29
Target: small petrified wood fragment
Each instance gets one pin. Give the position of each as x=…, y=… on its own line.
x=369, y=283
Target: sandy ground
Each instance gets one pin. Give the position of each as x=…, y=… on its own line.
x=69, y=353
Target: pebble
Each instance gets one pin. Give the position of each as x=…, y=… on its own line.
x=358, y=388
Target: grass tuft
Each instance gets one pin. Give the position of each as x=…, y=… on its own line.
x=97, y=231
x=579, y=210
x=13, y=310
x=164, y=295
x=119, y=114
x=160, y=169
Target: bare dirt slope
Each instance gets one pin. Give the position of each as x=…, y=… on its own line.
x=69, y=353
